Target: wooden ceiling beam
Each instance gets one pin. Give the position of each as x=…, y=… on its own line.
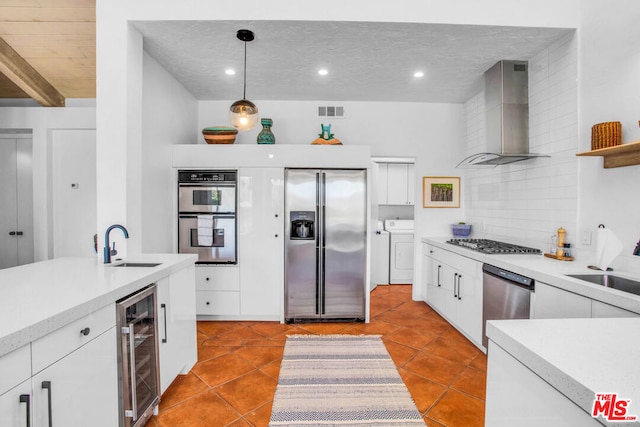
x=27, y=78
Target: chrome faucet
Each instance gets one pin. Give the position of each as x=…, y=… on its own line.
x=107, y=248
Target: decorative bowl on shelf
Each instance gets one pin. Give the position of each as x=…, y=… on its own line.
x=219, y=134
x=461, y=230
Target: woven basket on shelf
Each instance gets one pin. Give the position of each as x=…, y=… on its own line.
x=605, y=135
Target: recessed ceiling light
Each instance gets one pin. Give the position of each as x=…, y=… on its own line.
x=323, y=71
x=230, y=72
x=418, y=74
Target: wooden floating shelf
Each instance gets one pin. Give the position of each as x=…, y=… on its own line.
x=617, y=156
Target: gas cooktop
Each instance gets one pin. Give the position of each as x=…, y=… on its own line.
x=487, y=246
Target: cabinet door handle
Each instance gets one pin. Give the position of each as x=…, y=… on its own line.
x=12, y=233
x=25, y=398
x=85, y=331
x=455, y=284
x=439, y=275
x=459, y=291
x=207, y=279
x=47, y=385
x=164, y=308
x=19, y=233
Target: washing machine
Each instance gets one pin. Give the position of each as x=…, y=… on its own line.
x=400, y=250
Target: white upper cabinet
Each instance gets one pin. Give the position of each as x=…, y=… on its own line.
x=396, y=183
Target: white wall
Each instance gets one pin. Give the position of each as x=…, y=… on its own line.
x=170, y=116
x=609, y=91
x=119, y=68
x=73, y=191
x=42, y=121
x=432, y=133
x=526, y=202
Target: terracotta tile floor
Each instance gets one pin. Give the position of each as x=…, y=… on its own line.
x=235, y=378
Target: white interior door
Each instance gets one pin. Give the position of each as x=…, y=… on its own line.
x=74, y=192
x=16, y=200
x=8, y=208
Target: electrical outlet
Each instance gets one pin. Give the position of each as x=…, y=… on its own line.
x=585, y=237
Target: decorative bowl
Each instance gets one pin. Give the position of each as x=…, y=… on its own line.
x=219, y=134
x=461, y=230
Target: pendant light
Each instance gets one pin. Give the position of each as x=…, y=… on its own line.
x=243, y=114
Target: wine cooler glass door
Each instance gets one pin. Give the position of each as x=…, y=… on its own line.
x=139, y=356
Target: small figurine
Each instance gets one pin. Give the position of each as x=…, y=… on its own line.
x=326, y=132
x=326, y=137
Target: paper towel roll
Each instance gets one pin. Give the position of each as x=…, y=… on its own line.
x=608, y=248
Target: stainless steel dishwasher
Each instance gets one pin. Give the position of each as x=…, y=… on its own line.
x=505, y=295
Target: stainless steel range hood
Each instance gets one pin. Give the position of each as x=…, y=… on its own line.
x=507, y=116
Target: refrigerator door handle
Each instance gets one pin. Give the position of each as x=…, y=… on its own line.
x=318, y=246
x=324, y=241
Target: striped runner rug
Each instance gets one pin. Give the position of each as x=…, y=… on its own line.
x=340, y=380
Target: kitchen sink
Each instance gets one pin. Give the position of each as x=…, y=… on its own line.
x=137, y=264
x=610, y=281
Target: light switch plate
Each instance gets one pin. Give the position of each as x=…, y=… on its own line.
x=585, y=237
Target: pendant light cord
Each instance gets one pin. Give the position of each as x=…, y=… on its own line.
x=244, y=91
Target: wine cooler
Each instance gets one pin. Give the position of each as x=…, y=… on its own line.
x=138, y=357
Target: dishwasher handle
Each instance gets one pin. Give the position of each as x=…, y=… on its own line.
x=513, y=278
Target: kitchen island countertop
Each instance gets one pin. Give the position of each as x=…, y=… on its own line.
x=578, y=357
x=38, y=298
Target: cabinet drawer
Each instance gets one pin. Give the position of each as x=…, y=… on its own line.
x=217, y=278
x=63, y=341
x=217, y=303
x=15, y=367
x=459, y=263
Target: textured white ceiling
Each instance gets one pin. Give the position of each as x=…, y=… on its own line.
x=366, y=61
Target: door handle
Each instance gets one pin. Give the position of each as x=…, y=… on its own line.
x=12, y=233
x=47, y=385
x=19, y=233
x=133, y=413
x=164, y=308
x=439, y=275
x=455, y=282
x=459, y=292
x=25, y=398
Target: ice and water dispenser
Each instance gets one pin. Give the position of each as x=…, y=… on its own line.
x=303, y=225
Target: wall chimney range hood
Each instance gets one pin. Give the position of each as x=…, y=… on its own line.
x=507, y=116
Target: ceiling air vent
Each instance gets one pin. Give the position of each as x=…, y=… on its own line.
x=331, y=111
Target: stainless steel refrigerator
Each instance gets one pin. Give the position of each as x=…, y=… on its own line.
x=325, y=244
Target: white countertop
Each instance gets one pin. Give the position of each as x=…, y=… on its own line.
x=550, y=271
x=578, y=357
x=38, y=298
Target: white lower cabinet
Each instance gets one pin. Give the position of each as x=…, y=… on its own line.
x=176, y=325
x=15, y=387
x=217, y=290
x=518, y=397
x=80, y=388
x=600, y=309
x=15, y=406
x=555, y=303
x=454, y=289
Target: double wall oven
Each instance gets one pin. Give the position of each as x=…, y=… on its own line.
x=207, y=215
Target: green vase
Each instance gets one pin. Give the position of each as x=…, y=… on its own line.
x=266, y=136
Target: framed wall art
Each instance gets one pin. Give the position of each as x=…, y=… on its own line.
x=440, y=191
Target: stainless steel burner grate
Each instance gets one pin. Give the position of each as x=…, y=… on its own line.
x=487, y=246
